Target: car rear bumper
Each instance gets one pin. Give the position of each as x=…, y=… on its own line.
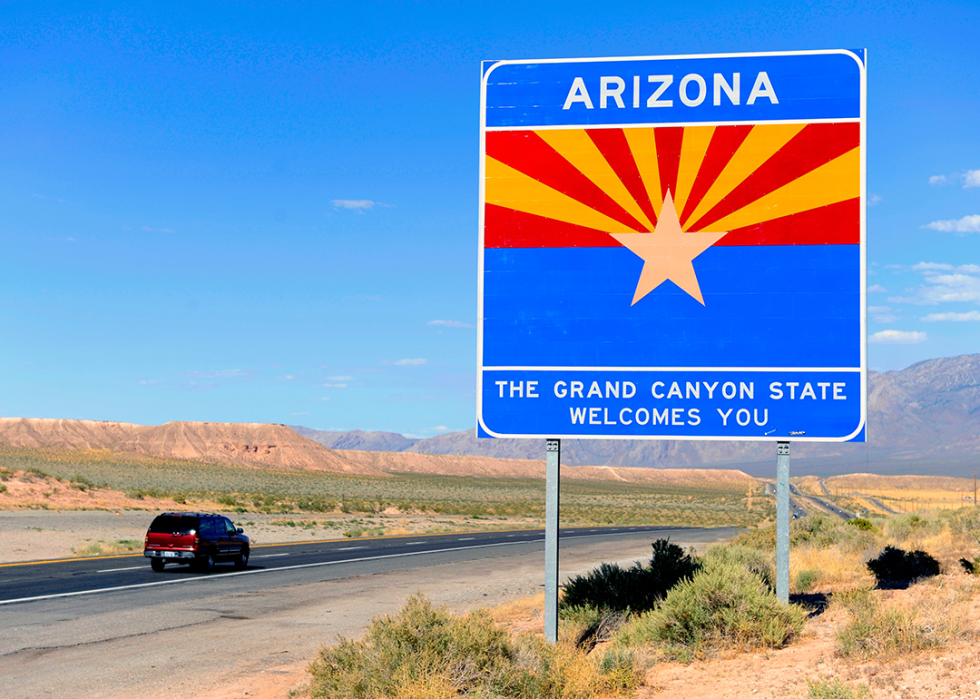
x=169, y=554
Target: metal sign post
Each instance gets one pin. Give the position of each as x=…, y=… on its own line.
x=782, y=521
x=552, y=504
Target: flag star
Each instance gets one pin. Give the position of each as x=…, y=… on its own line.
x=668, y=253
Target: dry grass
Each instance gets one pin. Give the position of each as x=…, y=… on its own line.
x=905, y=493
x=686, y=502
x=933, y=616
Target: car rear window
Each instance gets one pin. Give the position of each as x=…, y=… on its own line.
x=171, y=524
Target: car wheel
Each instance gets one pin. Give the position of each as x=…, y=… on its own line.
x=157, y=565
x=241, y=563
x=206, y=564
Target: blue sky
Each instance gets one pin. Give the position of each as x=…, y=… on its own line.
x=268, y=212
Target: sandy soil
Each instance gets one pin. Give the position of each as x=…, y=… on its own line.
x=954, y=673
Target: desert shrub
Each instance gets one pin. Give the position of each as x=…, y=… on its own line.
x=429, y=652
x=879, y=632
x=723, y=606
x=751, y=559
x=971, y=567
x=862, y=524
x=897, y=569
x=763, y=539
x=669, y=565
x=805, y=580
x=3, y=488
x=912, y=526
x=836, y=689
x=637, y=588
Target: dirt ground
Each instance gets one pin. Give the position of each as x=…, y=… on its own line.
x=782, y=674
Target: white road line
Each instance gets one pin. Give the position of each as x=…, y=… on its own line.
x=351, y=548
x=271, y=555
x=116, y=570
x=467, y=538
x=259, y=571
x=414, y=543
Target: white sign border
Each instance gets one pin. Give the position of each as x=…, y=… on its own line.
x=862, y=67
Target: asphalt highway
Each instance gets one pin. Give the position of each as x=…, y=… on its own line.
x=277, y=564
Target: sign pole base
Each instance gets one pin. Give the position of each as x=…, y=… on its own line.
x=551, y=541
x=782, y=521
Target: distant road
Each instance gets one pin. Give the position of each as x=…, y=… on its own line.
x=795, y=509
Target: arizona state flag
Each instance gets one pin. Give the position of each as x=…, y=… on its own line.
x=673, y=248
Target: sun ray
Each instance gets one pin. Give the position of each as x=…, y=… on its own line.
x=577, y=148
x=693, y=148
x=833, y=182
x=644, y=148
x=512, y=189
x=761, y=143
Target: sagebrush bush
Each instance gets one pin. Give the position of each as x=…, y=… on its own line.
x=428, y=652
x=723, y=606
x=753, y=560
x=637, y=588
x=836, y=689
x=897, y=569
x=805, y=580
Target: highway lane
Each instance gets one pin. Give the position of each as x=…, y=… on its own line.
x=149, y=640
x=274, y=564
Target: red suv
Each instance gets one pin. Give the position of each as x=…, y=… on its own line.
x=199, y=540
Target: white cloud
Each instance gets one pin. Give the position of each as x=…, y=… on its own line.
x=875, y=199
x=886, y=318
x=876, y=287
x=340, y=378
x=410, y=362
x=937, y=179
x=360, y=205
x=967, y=224
x=451, y=323
x=954, y=317
x=929, y=266
x=334, y=385
x=879, y=309
x=325, y=398
x=440, y=428
x=897, y=337
x=158, y=230
x=971, y=179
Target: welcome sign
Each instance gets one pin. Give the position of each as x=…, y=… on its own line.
x=673, y=247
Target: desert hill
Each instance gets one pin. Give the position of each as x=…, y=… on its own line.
x=241, y=444
x=922, y=419
x=280, y=448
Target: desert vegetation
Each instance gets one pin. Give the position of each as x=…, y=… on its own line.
x=893, y=588
x=239, y=489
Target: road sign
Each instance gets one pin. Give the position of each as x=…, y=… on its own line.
x=673, y=248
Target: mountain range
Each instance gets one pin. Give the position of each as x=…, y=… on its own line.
x=922, y=419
